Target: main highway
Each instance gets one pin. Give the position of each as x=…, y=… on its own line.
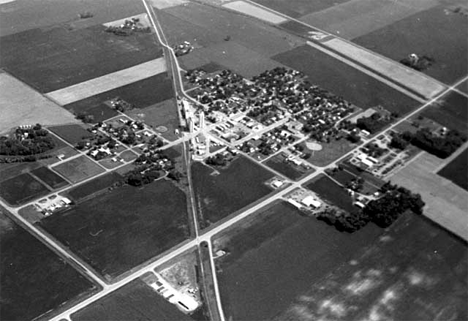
x=199, y=236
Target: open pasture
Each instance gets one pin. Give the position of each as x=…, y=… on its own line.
x=450, y=111
x=437, y=33
x=276, y=257
x=50, y=178
x=22, y=188
x=343, y=80
x=21, y=105
x=331, y=192
x=33, y=276
x=133, y=301
x=116, y=231
x=234, y=187
x=78, y=169
x=457, y=170
x=71, y=133
x=141, y=94
x=54, y=58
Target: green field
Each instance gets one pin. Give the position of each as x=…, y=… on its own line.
x=297, y=8
x=71, y=133
x=78, y=169
x=456, y=170
x=235, y=187
x=276, y=257
x=22, y=188
x=331, y=192
x=287, y=169
x=96, y=185
x=34, y=279
x=116, y=231
x=50, y=178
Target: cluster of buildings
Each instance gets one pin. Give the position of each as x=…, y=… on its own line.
x=51, y=204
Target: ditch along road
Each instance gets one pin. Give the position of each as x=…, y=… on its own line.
x=207, y=236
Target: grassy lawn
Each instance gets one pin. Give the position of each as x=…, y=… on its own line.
x=22, y=188
x=78, y=169
x=134, y=301
x=276, y=258
x=343, y=80
x=116, y=231
x=235, y=187
x=456, y=170
x=33, y=277
x=52, y=58
x=434, y=33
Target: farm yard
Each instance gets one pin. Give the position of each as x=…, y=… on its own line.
x=279, y=249
x=55, y=58
x=21, y=105
x=134, y=301
x=343, y=80
x=456, y=170
x=450, y=111
x=33, y=282
x=220, y=194
x=433, y=33
x=22, y=188
x=118, y=230
x=78, y=169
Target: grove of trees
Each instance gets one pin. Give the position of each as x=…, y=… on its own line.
x=26, y=142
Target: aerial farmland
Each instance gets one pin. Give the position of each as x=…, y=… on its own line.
x=233, y=160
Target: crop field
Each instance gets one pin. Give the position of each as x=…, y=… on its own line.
x=133, y=301
x=277, y=257
x=343, y=80
x=96, y=185
x=233, y=56
x=161, y=114
x=456, y=170
x=235, y=187
x=21, y=188
x=19, y=16
x=71, y=133
x=463, y=87
x=359, y=17
x=21, y=105
x=8, y=171
x=248, y=32
x=49, y=177
x=298, y=8
x=141, y=94
x=33, y=276
x=289, y=170
x=331, y=192
x=116, y=231
x=53, y=58
x=445, y=202
x=450, y=111
x=432, y=33
x=414, y=271
x=78, y=169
